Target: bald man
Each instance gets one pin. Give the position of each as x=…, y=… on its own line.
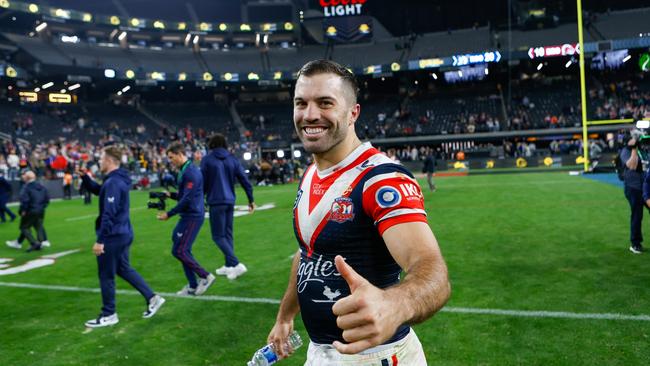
x=33, y=202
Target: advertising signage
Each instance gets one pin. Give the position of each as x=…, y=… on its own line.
x=566, y=49
x=333, y=8
x=476, y=58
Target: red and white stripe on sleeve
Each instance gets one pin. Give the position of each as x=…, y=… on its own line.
x=393, y=198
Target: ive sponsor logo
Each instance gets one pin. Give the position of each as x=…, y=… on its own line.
x=410, y=191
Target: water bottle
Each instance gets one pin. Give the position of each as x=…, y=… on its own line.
x=266, y=355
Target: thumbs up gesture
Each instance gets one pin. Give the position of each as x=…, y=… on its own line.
x=367, y=316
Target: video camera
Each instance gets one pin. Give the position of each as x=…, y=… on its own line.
x=640, y=134
x=160, y=204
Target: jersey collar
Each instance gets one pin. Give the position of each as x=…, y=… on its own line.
x=348, y=159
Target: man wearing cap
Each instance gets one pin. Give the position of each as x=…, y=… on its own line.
x=33, y=202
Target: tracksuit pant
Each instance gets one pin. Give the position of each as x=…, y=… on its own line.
x=4, y=209
x=221, y=220
x=29, y=220
x=635, y=198
x=115, y=260
x=183, y=238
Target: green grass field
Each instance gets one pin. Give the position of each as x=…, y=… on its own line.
x=525, y=242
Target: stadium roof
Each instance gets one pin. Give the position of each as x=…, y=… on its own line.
x=399, y=17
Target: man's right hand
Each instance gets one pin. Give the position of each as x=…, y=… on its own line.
x=631, y=143
x=279, y=336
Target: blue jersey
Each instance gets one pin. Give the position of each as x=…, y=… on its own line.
x=344, y=211
x=220, y=170
x=190, y=193
x=114, y=202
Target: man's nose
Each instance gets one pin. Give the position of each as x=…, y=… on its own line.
x=312, y=112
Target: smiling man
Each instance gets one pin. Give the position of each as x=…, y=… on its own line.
x=359, y=219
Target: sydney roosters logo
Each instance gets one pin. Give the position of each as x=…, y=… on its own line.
x=342, y=210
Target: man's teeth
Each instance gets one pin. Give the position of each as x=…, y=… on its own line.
x=314, y=130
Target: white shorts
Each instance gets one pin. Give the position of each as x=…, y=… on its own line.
x=405, y=352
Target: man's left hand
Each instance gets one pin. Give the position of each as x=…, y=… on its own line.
x=367, y=316
x=162, y=216
x=98, y=249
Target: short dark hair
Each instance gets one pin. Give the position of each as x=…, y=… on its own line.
x=217, y=141
x=114, y=152
x=316, y=67
x=175, y=148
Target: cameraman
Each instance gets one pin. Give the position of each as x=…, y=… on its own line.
x=192, y=212
x=633, y=182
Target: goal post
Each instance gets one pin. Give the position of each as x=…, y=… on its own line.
x=583, y=95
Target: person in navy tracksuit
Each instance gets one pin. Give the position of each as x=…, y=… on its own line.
x=220, y=169
x=5, y=195
x=192, y=212
x=114, y=238
x=34, y=199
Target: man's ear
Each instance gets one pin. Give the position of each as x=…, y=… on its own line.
x=354, y=113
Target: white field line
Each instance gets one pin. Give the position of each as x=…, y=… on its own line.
x=448, y=309
x=92, y=216
x=16, y=204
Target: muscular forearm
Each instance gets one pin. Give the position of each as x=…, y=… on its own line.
x=289, y=306
x=423, y=292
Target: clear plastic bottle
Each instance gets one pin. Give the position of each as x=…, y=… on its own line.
x=266, y=355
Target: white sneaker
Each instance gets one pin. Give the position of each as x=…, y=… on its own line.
x=237, y=271
x=13, y=244
x=154, y=305
x=204, y=284
x=633, y=249
x=45, y=244
x=187, y=291
x=223, y=270
x=103, y=321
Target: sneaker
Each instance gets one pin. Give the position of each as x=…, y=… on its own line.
x=45, y=244
x=13, y=244
x=237, y=271
x=187, y=291
x=636, y=249
x=33, y=248
x=223, y=270
x=204, y=284
x=154, y=305
x=103, y=321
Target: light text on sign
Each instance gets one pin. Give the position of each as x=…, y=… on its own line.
x=552, y=51
x=342, y=7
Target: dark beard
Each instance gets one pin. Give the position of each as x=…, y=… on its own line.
x=337, y=137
